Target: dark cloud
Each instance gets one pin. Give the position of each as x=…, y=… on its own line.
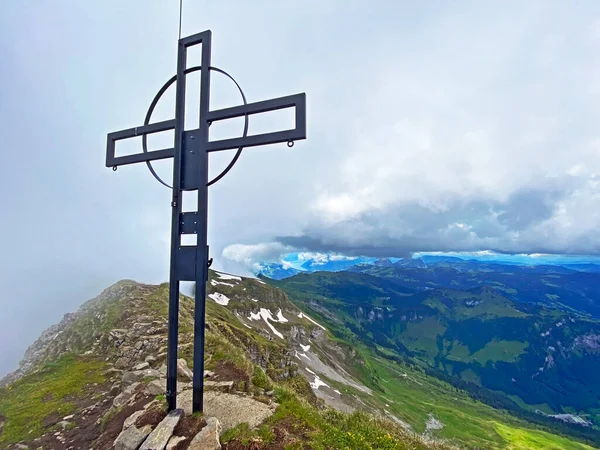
x=401, y=230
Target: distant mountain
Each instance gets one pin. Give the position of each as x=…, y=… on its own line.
x=276, y=271
x=383, y=263
x=476, y=337
x=330, y=265
x=416, y=263
x=546, y=285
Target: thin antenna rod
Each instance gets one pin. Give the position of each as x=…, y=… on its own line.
x=180, y=14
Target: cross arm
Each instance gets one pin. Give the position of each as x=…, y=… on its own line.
x=112, y=138
x=297, y=101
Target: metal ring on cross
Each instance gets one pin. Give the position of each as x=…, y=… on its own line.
x=158, y=96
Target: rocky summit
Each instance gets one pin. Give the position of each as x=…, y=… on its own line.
x=275, y=378
x=317, y=361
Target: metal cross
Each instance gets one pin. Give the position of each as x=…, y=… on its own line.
x=190, y=173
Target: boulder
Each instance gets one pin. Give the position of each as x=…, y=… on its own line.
x=208, y=437
x=137, y=375
x=183, y=370
x=132, y=418
x=157, y=440
x=174, y=441
x=150, y=359
x=142, y=366
x=131, y=437
x=125, y=396
x=155, y=387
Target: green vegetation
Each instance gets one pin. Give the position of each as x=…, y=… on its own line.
x=412, y=396
x=49, y=391
x=328, y=429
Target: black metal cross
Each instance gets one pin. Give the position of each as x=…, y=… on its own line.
x=190, y=173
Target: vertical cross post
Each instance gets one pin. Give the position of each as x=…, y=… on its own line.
x=190, y=173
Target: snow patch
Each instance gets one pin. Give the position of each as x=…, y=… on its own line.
x=304, y=355
x=266, y=315
x=254, y=300
x=304, y=316
x=215, y=283
x=219, y=298
x=310, y=371
x=317, y=383
x=337, y=392
x=247, y=326
x=261, y=282
x=226, y=276
x=305, y=347
x=280, y=317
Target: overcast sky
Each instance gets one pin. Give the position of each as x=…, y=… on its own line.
x=432, y=126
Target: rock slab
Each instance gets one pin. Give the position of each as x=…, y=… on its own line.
x=174, y=441
x=131, y=437
x=208, y=437
x=158, y=439
x=230, y=409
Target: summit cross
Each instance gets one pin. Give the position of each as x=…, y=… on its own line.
x=190, y=173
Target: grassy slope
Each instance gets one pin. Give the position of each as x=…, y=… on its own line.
x=414, y=397
x=26, y=403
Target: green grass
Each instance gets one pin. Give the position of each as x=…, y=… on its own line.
x=422, y=336
x=467, y=422
x=329, y=429
x=496, y=350
x=26, y=403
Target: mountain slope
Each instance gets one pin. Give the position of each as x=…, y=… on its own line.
x=555, y=286
x=92, y=378
x=477, y=340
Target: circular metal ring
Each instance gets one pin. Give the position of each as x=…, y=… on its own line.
x=160, y=93
x=290, y=143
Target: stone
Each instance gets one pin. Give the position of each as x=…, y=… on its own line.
x=157, y=440
x=208, y=437
x=208, y=374
x=150, y=359
x=142, y=366
x=125, y=396
x=163, y=370
x=229, y=409
x=21, y=447
x=115, y=389
x=183, y=370
x=156, y=387
x=223, y=386
x=64, y=424
x=270, y=393
x=131, y=438
x=183, y=386
x=174, y=441
x=69, y=417
x=132, y=418
x=137, y=375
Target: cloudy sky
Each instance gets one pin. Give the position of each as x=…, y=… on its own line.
x=432, y=126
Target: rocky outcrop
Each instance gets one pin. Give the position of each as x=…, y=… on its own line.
x=132, y=437
x=158, y=439
x=208, y=437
